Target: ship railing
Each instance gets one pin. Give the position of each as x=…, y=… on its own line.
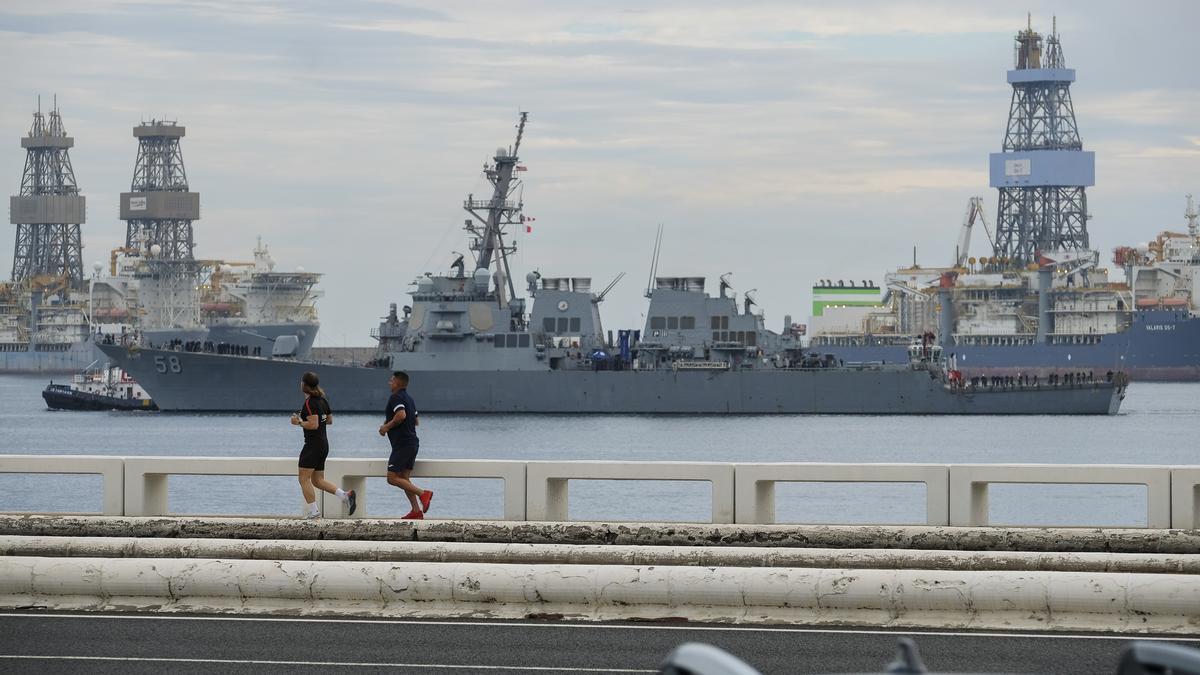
x=954, y=494
x=489, y=204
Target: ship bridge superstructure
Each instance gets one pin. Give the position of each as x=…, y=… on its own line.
x=686, y=327
x=1042, y=171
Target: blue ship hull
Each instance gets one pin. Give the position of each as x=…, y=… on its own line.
x=1159, y=345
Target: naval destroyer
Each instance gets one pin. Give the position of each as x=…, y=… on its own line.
x=472, y=344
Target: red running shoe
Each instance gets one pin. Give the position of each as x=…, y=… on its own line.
x=426, y=497
x=414, y=515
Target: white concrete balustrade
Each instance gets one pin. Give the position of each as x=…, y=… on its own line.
x=743, y=493
x=352, y=474
x=110, y=469
x=969, y=486
x=755, y=485
x=546, y=482
x=1185, y=497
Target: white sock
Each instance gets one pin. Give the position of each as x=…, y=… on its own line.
x=341, y=494
x=312, y=508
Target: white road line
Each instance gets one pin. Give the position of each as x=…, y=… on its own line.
x=607, y=626
x=328, y=664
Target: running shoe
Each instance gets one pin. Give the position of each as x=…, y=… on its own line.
x=414, y=515
x=351, y=502
x=426, y=497
x=312, y=516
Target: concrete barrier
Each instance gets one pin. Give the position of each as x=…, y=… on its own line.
x=1185, y=497
x=594, y=554
x=146, y=477
x=755, y=485
x=351, y=474
x=111, y=470
x=969, y=486
x=537, y=490
x=546, y=483
x=1157, y=603
x=890, y=537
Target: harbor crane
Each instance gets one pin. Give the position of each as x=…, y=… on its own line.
x=974, y=212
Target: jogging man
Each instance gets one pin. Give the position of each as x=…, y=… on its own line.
x=400, y=427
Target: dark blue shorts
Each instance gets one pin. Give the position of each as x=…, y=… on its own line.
x=403, y=457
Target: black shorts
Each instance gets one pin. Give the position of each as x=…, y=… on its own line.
x=403, y=457
x=313, y=454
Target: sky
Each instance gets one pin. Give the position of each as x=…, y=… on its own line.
x=783, y=142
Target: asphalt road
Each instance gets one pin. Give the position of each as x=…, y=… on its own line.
x=140, y=643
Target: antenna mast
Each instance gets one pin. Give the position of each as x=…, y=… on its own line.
x=654, y=260
x=1191, y=215
x=491, y=216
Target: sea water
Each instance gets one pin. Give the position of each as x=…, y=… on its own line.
x=1159, y=424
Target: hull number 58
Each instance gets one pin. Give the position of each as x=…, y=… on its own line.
x=167, y=364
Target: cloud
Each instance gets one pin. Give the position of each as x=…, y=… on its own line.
x=774, y=138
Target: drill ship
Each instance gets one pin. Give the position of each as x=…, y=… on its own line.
x=52, y=315
x=1042, y=303
x=472, y=344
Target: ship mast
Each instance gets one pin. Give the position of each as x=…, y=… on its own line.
x=492, y=216
x=1191, y=216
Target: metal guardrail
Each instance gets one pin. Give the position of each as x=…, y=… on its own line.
x=956, y=494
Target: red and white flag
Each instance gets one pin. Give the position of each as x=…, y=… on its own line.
x=526, y=220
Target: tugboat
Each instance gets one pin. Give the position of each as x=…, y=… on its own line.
x=110, y=388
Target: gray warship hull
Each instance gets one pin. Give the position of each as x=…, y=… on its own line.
x=186, y=381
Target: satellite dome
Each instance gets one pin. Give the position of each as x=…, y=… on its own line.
x=97, y=266
x=481, y=276
x=155, y=250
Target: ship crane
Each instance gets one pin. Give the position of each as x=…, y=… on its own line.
x=974, y=212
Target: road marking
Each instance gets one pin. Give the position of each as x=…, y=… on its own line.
x=326, y=664
x=604, y=626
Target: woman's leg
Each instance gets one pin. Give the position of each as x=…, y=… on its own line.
x=319, y=482
x=306, y=486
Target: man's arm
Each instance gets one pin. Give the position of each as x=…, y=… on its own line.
x=394, y=422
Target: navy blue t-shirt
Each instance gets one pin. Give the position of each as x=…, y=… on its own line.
x=405, y=433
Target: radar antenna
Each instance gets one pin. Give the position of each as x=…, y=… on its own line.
x=609, y=287
x=654, y=260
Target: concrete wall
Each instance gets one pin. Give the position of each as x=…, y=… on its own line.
x=893, y=598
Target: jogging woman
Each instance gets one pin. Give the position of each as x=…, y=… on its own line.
x=313, y=417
